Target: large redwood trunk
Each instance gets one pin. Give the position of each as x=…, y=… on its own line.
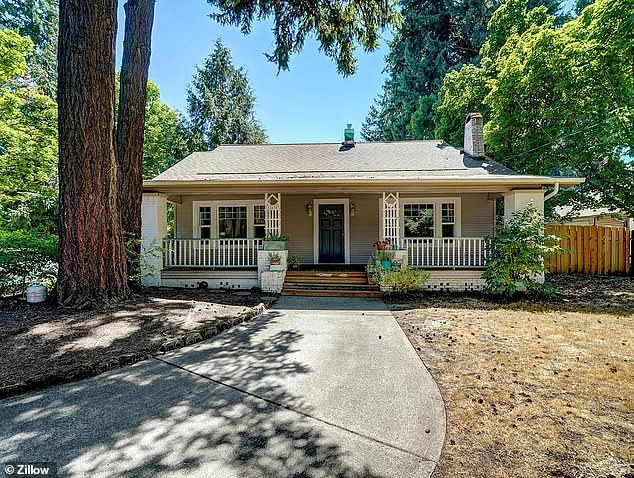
x=139, y=17
x=91, y=247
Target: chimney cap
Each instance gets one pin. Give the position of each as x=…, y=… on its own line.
x=472, y=115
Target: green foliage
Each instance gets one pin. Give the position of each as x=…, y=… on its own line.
x=401, y=281
x=277, y=238
x=37, y=20
x=436, y=37
x=293, y=262
x=515, y=256
x=337, y=25
x=166, y=135
x=221, y=104
x=25, y=259
x=385, y=255
x=421, y=125
x=28, y=143
x=275, y=257
x=555, y=99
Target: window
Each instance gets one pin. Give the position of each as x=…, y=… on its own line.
x=204, y=221
x=232, y=222
x=419, y=220
x=448, y=219
x=258, y=221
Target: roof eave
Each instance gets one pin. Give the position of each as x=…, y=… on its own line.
x=506, y=180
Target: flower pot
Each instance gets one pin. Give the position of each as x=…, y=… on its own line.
x=387, y=265
x=274, y=245
x=276, y=267
x=381, y=246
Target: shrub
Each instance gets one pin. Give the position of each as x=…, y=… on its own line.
x=400, y=281
x=515, y=257
x=26, y=258
x=294, y=262
x=385, y=255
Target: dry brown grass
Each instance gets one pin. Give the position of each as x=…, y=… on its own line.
x=533, y=389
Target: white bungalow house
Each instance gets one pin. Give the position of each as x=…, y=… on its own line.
x=434, y=202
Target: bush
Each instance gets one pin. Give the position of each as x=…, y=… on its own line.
x=26, y=258
x=401, y=281
x=515, y=257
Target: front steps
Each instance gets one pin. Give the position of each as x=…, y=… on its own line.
x=329, y=284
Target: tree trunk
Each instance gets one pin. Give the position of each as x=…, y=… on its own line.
x=91, y=247
x=139, y=17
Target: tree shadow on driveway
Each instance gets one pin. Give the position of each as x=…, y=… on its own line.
x=154, y=419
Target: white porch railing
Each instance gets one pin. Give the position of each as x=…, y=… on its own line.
x=445, y=251
x=211, y=252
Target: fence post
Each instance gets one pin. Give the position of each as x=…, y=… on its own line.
x=631, y=253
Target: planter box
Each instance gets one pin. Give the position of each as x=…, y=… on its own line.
x=276, y=267
x=274, y=245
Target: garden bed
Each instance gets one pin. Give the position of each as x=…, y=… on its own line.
x=44, y=345
x=532, y=388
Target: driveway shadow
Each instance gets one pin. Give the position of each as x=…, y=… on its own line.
x=153, y=419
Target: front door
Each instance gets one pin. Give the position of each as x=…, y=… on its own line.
x=331, y=232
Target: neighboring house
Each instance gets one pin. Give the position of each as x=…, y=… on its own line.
x=594, y=217
x=335, y=200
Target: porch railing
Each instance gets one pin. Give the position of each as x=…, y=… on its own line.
x=445, y=251
x=211, y=252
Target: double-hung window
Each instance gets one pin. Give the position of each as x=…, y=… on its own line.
x=259, y=221
x=448, y=219
x=232, y=222
x=204, y=221
x=419, y=220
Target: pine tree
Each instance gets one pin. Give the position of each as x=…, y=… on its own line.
x=221, y=103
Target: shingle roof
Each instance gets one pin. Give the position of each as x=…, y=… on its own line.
x=405, y=160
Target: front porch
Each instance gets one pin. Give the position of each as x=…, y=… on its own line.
x=218, y=240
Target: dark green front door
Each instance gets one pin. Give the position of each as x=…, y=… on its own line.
x=331, y=232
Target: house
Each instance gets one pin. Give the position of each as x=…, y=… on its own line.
x=594, y=217
x=335, y=200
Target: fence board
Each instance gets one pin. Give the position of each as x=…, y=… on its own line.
x=591, y=250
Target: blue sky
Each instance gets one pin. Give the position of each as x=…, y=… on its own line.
x=309, y=103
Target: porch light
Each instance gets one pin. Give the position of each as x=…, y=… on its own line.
x=309, y=209
x=353, y=209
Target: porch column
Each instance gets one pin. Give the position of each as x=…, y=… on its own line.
x=391, y=218
x=273, y=214
x=153, y=230
x=520, y=198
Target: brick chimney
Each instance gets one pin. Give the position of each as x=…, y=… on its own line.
x=474, y=135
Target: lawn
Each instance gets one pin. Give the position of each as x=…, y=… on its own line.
x=44, y=345
x=532, y=388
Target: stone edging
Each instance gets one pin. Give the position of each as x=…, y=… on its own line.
x=90, y=370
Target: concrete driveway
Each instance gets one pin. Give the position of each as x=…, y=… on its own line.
x=316, y=387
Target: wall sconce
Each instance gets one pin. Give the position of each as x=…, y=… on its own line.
x=353, y=209
x=309, y=209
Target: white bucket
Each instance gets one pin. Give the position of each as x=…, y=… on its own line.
x=36, y=294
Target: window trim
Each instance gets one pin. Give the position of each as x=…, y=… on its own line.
x=215, y=217
x=437, y=202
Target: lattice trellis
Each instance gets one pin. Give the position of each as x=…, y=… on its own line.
x=391, y=218
x=273, y=214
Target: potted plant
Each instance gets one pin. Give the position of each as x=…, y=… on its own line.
x=370, y=270
x=274, y=242
x=381, y=245
x=386, y=257
x=275, y=261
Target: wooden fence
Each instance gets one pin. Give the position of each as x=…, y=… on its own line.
x=591, y=250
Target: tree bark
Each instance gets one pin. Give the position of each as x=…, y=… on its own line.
x=91, y=248
x=139, y=18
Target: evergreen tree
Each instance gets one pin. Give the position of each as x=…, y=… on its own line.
x=436, y=36
x=221, y=103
